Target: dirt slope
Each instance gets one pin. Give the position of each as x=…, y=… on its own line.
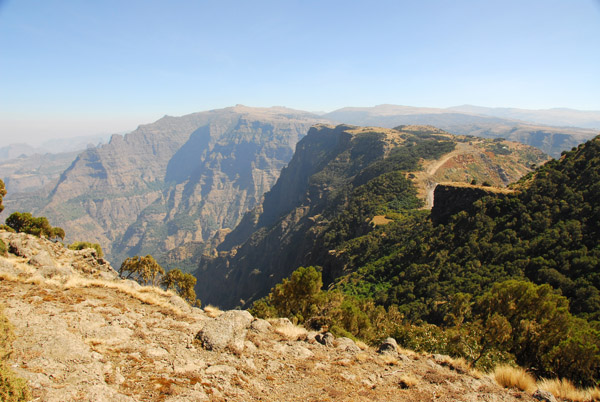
x=84, y=335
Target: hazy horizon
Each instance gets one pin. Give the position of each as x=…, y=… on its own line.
x=71, y=68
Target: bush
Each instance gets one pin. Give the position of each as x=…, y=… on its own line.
x=3, y=248
x=80, y=245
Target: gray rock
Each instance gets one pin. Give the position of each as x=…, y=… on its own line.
x=226, y=331
x=260, y=325
x=347, y=344
x=542, y=395
x=325, y=339
x=389, y=345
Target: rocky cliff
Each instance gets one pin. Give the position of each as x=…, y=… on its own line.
x=322, y=195
x=450, y=198
x=169, y=186
x=84, y=335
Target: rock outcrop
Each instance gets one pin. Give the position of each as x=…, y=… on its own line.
x=168, y=187
x=451, y=198
x=83, y=334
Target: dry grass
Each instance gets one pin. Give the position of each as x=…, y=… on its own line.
x=407, y=352
x=514, y=377
x=290, y=332
x=361, y=357
x=460, y=365
x=212, y=311
x=566, y=390
x=408, y=381
x=388, y=359
x=362, y=345
x=146, y=294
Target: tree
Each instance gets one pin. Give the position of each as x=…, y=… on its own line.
x=182, y=283
x=37, y=226
x=144, y=270
x=296, y=296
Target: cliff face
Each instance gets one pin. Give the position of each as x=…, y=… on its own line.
x=171, y=185
x=317, y=187
x=451, y=198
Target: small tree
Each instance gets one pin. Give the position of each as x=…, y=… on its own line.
x=296, y=296
x=181, y=283
x=145, y=270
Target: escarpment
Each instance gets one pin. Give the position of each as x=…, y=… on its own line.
x=450, y=198
x=168, y=187
x=340, y=182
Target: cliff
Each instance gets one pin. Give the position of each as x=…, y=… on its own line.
x=338, y=181
x=451, y=198
x=83, y=334
x=168, y=187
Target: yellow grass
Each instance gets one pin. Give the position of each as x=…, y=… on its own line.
x=212, y=311
x=408, y=381
x=290, y=332
x=566, y=390
x=514, y=377
x=388, y=359
x=362, y=345
x=145, y=294
x=380, y=220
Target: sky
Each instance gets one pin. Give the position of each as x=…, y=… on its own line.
x=71, y=68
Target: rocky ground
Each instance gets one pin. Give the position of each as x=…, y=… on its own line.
x=85, y=335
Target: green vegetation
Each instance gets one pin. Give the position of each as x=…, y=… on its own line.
x=80, y=245
x=146, y=271
x=182, y=283
x=515, y=280
x=12, y=389
x=37, y=226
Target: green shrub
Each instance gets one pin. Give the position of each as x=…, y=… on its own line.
x=3, y=248
x=7, y=228
x=80, y=245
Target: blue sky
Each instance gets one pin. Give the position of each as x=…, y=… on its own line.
x=70, y=67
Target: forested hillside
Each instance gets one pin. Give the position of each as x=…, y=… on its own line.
x=342, y=183
x=513, y=278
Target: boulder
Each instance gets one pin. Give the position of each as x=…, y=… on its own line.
x=347, y=344
x=325, y=339
x=542, y=395
x=389, y=345
x=227, y=331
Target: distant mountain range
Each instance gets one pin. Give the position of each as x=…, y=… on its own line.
x=53, y=146
x=176, y=187
x=483, y=122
